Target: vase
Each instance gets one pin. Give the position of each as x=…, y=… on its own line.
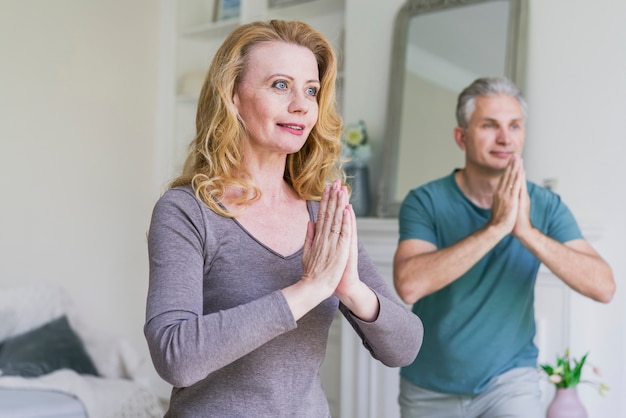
x=358, y=178
x=566, y=404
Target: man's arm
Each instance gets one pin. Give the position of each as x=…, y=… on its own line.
x=575, y=262
x=419, y=268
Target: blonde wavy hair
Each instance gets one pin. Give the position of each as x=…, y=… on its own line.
x=214, y=162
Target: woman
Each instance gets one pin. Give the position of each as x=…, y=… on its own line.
x=254, y=247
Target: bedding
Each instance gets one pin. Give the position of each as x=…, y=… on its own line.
x=101, y=397
x=52, y=363
x=30, y=403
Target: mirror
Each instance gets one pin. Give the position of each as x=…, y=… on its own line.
x=439, y=48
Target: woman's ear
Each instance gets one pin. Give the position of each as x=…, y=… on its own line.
x=236, y=100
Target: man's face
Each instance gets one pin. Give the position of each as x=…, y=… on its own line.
x=495, y=132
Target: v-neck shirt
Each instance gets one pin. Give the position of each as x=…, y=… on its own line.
x=220, y=330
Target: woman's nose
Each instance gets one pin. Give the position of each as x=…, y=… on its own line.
x=298, y=103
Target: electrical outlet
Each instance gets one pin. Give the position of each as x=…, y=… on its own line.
x=550, y=183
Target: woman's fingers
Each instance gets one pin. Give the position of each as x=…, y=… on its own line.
x=330, y=215
x=328, y=206
x=323, y=205
x=339, y=215
x=328, y=245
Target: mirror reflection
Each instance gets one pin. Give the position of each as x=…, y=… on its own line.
x=440, y=49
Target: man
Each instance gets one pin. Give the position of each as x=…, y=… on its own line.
x=470, y=247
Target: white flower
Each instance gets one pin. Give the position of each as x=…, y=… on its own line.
x=603, y=389
x=555, y=378
x=355, y=134
x=355, y=148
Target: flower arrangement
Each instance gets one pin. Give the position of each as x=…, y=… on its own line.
x=355, y=148
x=567, y=372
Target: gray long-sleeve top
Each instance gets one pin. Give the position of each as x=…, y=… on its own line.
x=221, y=332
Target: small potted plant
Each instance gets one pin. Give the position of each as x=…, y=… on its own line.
x=356, y=153
x=566, y=375
x=356, y=150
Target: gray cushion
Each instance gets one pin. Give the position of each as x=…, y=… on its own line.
x=45, y=349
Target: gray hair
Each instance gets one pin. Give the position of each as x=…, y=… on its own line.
x=486, y=86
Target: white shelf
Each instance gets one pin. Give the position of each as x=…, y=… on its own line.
x=311, y=8
x=211, y=29
x=293, y=11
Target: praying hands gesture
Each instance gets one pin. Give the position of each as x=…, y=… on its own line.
x=575, y=262
x=510, y=210
x=330, y=259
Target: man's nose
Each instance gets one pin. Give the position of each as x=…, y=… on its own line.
x=503, y=136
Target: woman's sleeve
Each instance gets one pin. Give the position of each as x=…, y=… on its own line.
x=396, y=335
x=186, y=345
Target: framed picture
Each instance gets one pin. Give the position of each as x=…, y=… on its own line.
x=280, y=3
x=226, y=9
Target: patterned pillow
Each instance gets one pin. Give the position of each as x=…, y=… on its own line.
x=43, y=350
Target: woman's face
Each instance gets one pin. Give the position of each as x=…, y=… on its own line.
x=277, y=97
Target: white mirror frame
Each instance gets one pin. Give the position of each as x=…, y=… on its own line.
x=388, y=205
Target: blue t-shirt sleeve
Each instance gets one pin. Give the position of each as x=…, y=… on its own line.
x=561, y=224
x=416, y=217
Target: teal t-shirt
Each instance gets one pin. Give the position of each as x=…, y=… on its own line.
x=482, y=324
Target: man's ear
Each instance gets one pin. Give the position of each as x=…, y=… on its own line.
x=459, y=137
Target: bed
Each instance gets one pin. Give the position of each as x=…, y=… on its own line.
x=53, y=365
x=27, y=403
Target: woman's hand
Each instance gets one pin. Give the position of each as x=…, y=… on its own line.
x=326, y=252
x=351, y=291
x=350, y=277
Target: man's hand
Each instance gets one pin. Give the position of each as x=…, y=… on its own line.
x=505, y=208
x=523, y=225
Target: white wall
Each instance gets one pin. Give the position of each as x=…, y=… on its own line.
x=368, y=39
x=77, y=127
x=577, y=97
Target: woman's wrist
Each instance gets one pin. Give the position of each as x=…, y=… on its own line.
x=303, y=296
x=362, y=302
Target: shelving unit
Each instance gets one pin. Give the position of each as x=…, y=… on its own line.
x=195, y=36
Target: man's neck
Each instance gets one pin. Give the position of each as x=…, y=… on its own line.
x=477, y=187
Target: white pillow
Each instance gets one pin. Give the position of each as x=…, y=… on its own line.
x=27, y=307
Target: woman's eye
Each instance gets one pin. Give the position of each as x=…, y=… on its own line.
x=311, y=91
x=279, y=84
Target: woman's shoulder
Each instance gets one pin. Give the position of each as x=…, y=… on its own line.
x=183, y=200
x=181, y=197
x=178, y=192
x=180, y=206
